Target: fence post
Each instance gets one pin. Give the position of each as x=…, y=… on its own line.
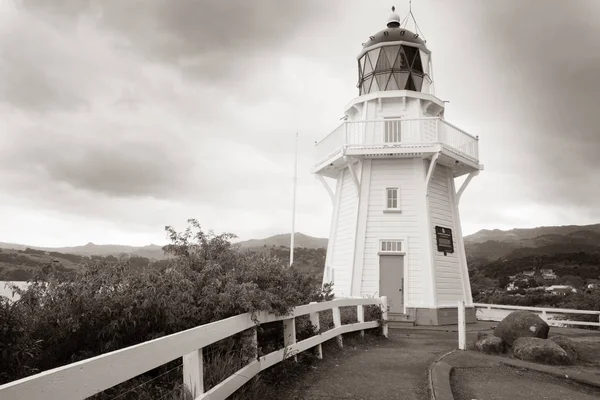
x=360, y=316
x=193, y=373
x=289, y=334
x=384, y=316
x=337, y=323
x=314, y=320
x=599, y=321
x=462, y=326
x=255, y=341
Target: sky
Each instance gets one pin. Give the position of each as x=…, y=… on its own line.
x=120, y=118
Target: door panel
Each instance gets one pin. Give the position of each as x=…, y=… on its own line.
x=391, y=281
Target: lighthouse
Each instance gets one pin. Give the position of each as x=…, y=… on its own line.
x=395, y=170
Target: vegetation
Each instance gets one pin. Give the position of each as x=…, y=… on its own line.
x=69, y=315
x=489, y=281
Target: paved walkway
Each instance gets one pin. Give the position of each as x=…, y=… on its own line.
x=389, y=369
x=397, y=368
x=480, y=376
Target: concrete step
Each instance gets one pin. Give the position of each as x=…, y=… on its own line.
x=400, y=324
x=400, y=320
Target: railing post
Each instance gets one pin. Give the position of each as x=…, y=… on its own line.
x=544, y=316
x=599, y=321
x=384, y=316
x=462, y=326
x=193, y=373
x=337, y=323
x=345, y=133
x=314, y=320
x=289, y=334
x=360, y=316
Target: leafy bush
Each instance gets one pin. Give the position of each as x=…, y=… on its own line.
x=106, y=306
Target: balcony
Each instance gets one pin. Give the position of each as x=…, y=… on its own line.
x=398, y=137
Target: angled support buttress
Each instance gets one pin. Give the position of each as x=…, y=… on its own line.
x=430, y=172
x=324, y=182
x=465, y=184
x=354, y=176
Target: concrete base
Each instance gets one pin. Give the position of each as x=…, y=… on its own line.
x=440, y=316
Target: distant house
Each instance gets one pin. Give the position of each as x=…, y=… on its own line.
x=592, y=286
x=546, y=271
x=512, y=277
x=510, y=287
x=550, y=276
x=561, y=289
x=529, y=273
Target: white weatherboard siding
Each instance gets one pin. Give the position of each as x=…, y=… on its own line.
x=406, y=175
x=344, y=234
x=448, y=276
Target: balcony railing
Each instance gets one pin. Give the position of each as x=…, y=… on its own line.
x=398, y=133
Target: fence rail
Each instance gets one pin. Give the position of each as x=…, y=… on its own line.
x=88, y=377
x=497, y=312
x=398, y=133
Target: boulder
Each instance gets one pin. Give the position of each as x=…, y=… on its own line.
x=490, y=344
x=540, y=350
x=567, y=345
x=521, y=324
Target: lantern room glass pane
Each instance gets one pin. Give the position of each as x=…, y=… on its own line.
x=417, y=66
x=382, y=80
x=368, y=66
x=374, y=56
x=362, y=66
x=410, y=85
x=401, y=78
x=411, y=53
x=391, y=53
x=418, y=81
x=392, y=84
x=401, y=62
x=367, y=85
x=374, y=85
x=383, y=63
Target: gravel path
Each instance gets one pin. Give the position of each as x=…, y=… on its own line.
x=503, y=382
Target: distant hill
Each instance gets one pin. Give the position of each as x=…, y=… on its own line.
x=300, y=240
x=546, y=240
x=515, y=235
x=151, y=251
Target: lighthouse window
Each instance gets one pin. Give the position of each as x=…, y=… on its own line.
x=392, y=198
x=391, y=246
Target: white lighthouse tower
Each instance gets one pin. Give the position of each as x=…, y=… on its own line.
x=395, y=228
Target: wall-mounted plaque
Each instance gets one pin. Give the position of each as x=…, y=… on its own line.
x=443, y=237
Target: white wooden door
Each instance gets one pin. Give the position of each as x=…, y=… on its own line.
x=391, y=281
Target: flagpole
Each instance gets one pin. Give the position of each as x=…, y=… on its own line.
x=294, y=203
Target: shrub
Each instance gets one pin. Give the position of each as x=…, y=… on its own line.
x=106, y=306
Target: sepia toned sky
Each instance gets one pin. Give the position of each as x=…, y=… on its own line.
x=118, y=118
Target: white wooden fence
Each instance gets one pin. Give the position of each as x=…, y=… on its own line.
x=88, y=377
x=497, y=312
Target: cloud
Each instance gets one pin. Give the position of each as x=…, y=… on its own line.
x=124, y=117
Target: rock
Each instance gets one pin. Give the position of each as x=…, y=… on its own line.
x=567, y=345
x=521, y=324
x=490, y=344
x=540, y=350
